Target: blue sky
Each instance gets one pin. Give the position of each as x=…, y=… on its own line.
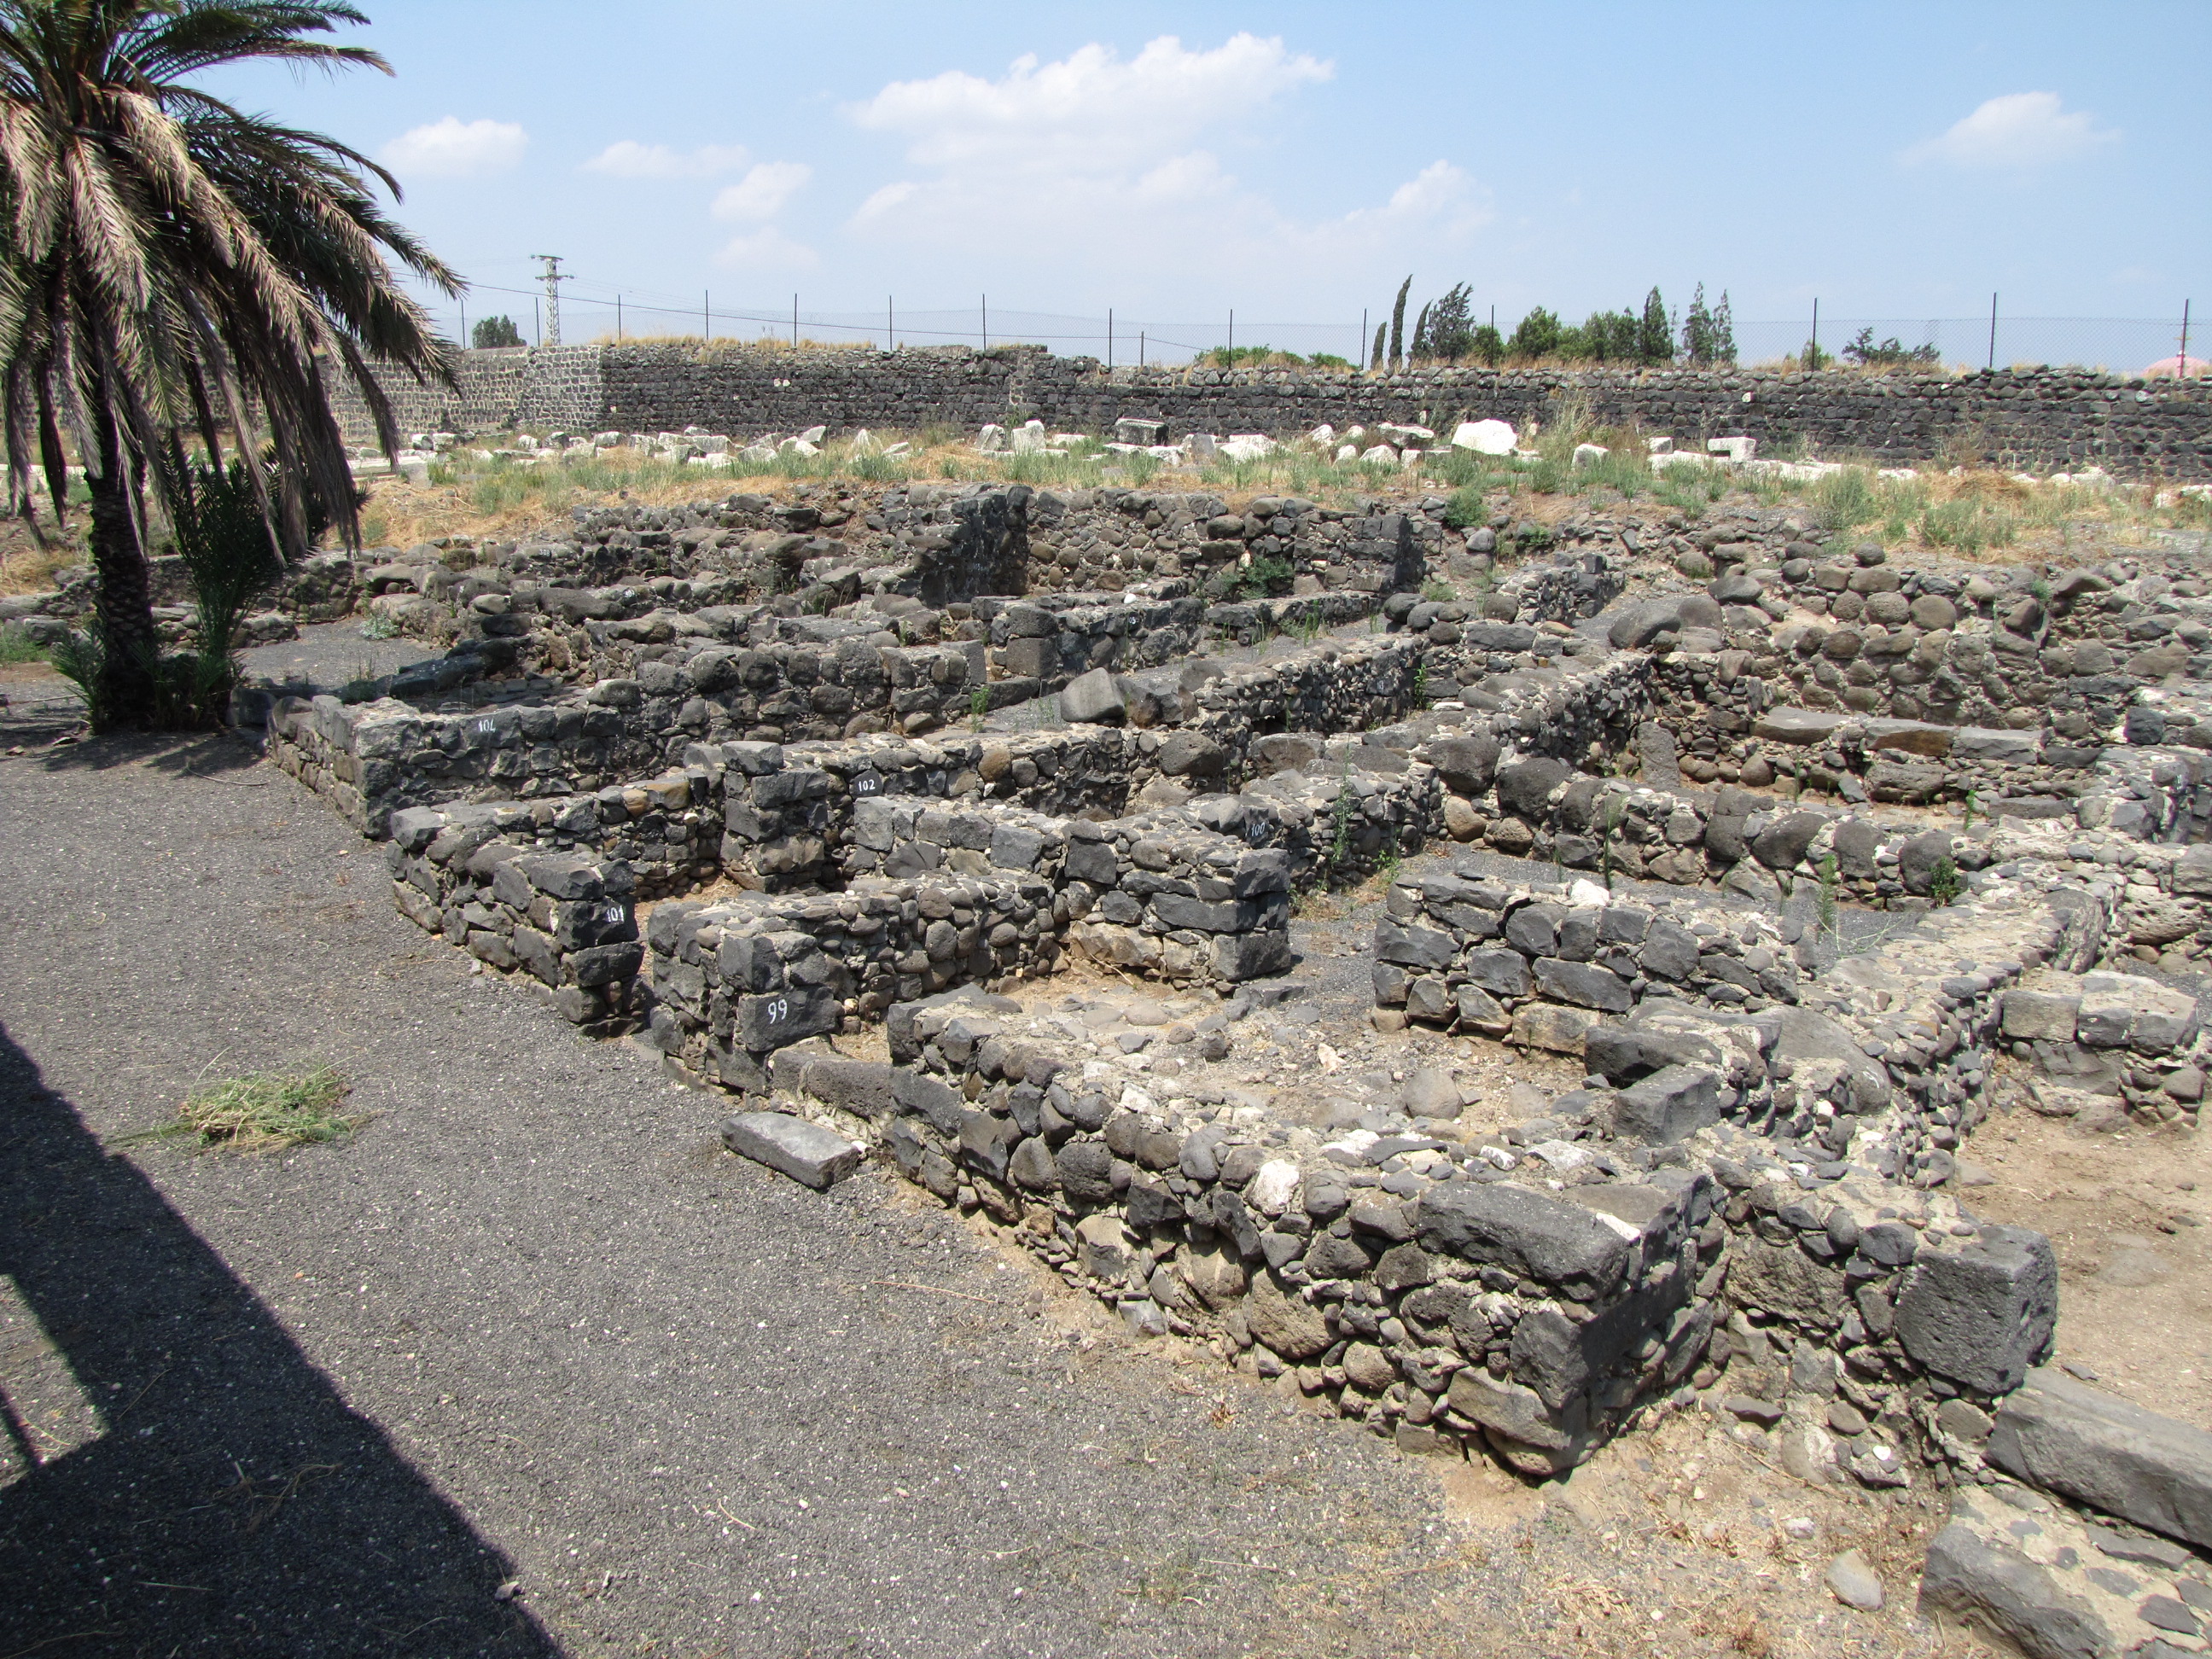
x=1292, y=161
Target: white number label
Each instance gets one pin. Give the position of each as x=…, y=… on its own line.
x=486, y=727
x=778, y=1010
x=867, y=784
x=614, y=913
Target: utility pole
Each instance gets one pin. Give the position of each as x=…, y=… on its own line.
x=464, y=327
x=987, y=322
x=794, y=322
x=1993, y=332
x=1232, y=337
x=1816, y=353
x=891, y=323
x=553, y=281
x=2185, y=340
x=1359, y=354
x=706, y=311
x=1109, y=338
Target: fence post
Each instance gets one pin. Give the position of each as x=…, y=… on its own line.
x=794, y=322
x=1993, y=333
x=2185, y=341
x=1232, y=338
x=1109, y=340
x=987, y=322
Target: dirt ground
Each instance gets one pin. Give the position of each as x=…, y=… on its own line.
x=2126, y=1212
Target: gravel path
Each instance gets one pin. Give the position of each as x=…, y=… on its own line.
x=328, y=656
x=533, y=1366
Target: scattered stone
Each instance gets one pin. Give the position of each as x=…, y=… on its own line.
x=806, y=1151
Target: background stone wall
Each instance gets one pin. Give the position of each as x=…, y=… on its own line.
x=2042, y=419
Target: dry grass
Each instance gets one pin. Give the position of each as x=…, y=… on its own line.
x=263, y=1112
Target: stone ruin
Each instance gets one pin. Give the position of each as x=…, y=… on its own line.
x=1031, y=784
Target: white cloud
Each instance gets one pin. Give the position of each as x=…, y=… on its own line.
x=629, y=159
x=1151, y=105
x=1090, y=131
x=761, y=193
x=1134, y=148
x=2018, y=130
x=767, y=249
x=454, y=148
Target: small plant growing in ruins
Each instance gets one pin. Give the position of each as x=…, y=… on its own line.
x=1825, y=916
x=379, y=627
x=1944, y=884
x=1264, y=576
x=1973, y=798
x=1344, y=810
x=265, y=1112
x=1387, y=865
x=1615, y=810
x=979, y=701
x=1440, y=592
x=1421, y=682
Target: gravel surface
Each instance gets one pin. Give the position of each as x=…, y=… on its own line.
x=531, y=1365
x=328, y=655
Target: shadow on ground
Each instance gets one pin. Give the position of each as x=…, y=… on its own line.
x=227, y=1500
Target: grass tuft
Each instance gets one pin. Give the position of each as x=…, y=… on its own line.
x=264, y=1112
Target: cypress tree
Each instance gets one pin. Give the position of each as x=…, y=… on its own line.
x=1381, y=331
x=1398, y=323
x=1421, y=346
x=1654, y=341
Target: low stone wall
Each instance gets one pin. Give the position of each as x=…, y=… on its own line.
x=567, y=920
x=1539, y=969
x=2046, y=419
x=737, y=979
x=1537, y=1294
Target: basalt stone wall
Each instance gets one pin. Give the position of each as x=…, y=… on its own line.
x=556, y=385
x=2042, y=419
x=477, y=877
x=1535, y=1293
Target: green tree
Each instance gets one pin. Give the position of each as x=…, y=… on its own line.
x=175, y=268
x=1398, y=323
x=1709, y=334
x=1654, y=335
x=1536, y=335
x=1451, y=324
x=1422, y=350
x=1488, y=344
x=1381, y=330
x=491, y=333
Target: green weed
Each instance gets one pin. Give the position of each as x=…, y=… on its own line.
x=264, y=1112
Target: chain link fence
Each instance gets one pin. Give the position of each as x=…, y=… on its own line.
x=2118, y=345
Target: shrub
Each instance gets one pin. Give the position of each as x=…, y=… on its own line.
x=1536, y=335
x=230, y=557
x=1889, y=354
x=1264, y=576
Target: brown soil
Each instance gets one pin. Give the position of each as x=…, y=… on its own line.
x=2125, y=1212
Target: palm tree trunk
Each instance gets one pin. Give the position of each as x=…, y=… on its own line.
x=123, y=596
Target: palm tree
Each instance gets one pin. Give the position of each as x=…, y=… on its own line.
x=173, y=269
